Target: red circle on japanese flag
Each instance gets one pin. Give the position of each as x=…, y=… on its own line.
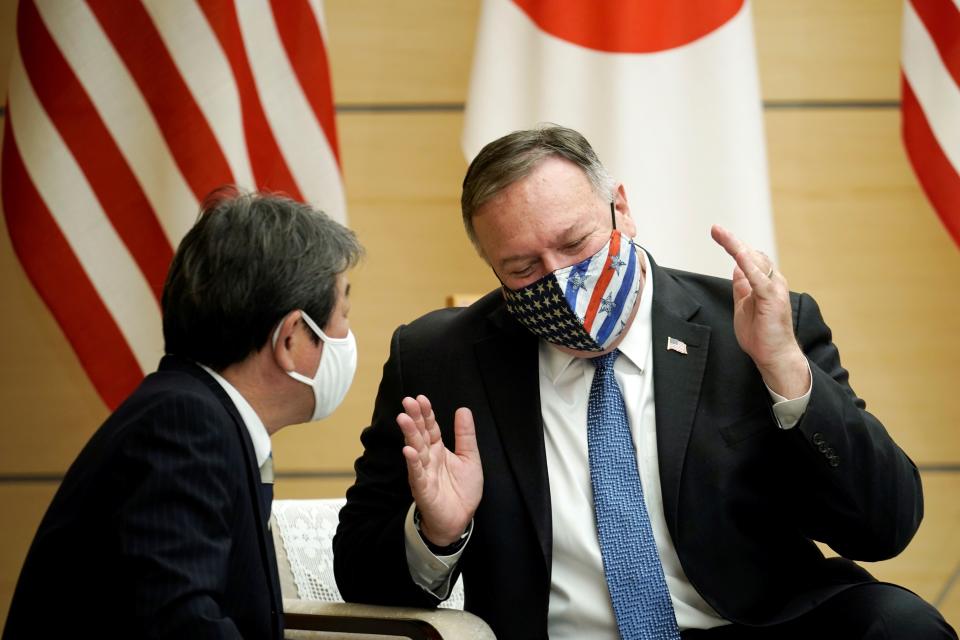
x=630, y=26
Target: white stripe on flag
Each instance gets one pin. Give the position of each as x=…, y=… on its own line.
x=296, y=129
x=204, y=67
x=321, y=18
x=86, y=228
x=124, y=112
x=932, y=83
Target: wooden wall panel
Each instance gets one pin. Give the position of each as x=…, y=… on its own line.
x=828, y=50
x=401, y=52
x=8, y=13
x=311, y=488
x=854, y=230
x=23, y=508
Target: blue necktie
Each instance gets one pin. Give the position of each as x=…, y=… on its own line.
x=638, y=589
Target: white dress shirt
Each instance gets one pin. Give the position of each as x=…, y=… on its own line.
x=580, y=604
x=255, y=427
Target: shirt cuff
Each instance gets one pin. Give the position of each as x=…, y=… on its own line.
x=789, y=412
x=430, y=572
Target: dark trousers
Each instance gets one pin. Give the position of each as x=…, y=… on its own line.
x=866, y=612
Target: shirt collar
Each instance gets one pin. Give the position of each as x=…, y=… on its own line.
x=635, y=344
x=253, y=423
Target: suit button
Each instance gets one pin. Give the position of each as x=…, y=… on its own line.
x=823, y=447
x=817, y=438
x=834, y=462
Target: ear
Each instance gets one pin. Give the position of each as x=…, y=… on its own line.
x=625, y=220
x=286, y=340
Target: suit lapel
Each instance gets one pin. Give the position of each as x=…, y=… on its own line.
x=265, y=540
x=677, y=381
x=509, y=365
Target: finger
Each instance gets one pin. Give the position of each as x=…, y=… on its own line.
x=465, y=434
x=737, y=250
x=414, y=410
x=746, y=258
x=777, y=276
x=730, y=243
x=414, y=467
x=741, y=286
x=415, y=437
x=412, y=436
x=416, y=474
x=431, y=428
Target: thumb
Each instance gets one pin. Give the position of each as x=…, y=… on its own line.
x=465, y=434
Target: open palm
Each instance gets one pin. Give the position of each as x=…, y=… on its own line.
x=446, y=485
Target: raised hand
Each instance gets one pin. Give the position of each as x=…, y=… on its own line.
x=446, y=485
x=762, y=317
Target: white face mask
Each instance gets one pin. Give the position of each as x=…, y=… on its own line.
x=338, y=363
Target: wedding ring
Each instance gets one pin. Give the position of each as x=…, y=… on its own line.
x=770, y=273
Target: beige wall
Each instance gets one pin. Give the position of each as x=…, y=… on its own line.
x=852, y=228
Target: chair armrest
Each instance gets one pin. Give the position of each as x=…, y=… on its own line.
x=349, y=618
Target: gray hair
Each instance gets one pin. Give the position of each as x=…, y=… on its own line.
x=250, y=259
x=514, y=156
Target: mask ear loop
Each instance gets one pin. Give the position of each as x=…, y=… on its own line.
x=613, y=217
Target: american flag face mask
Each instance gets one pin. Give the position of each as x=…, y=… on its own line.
x=585, y=306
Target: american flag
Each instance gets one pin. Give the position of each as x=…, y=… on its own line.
x=120, y=118
x=930, y=84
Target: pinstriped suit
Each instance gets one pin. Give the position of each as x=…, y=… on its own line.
x=157, y=529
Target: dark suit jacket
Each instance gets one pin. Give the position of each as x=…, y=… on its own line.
x=157, y=529
x=743, y=499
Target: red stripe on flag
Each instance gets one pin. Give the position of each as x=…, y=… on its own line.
x=307, y=53
x=602, y=283
x=191, y=140
x=89, y=141
x=269, y=167
x=942, y=21
x=61, y=281
x=939, y=179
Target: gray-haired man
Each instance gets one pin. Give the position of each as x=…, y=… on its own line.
x=608, y=448
x=159, y=528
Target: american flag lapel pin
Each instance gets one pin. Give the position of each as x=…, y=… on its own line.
x=676, y=345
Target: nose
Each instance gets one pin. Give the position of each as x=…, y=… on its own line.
x=553, y=261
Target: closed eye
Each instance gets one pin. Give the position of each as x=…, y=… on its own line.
x=575, y=245
x=524, y=272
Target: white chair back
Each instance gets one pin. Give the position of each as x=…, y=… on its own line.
x=306, y=529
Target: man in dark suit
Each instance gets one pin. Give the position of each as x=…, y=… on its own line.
x=159, y=528
x=608, y=448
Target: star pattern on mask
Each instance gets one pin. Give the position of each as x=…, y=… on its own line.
x=577, y=281
x=542, y=308
x=617, y=263
x=607, y=305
